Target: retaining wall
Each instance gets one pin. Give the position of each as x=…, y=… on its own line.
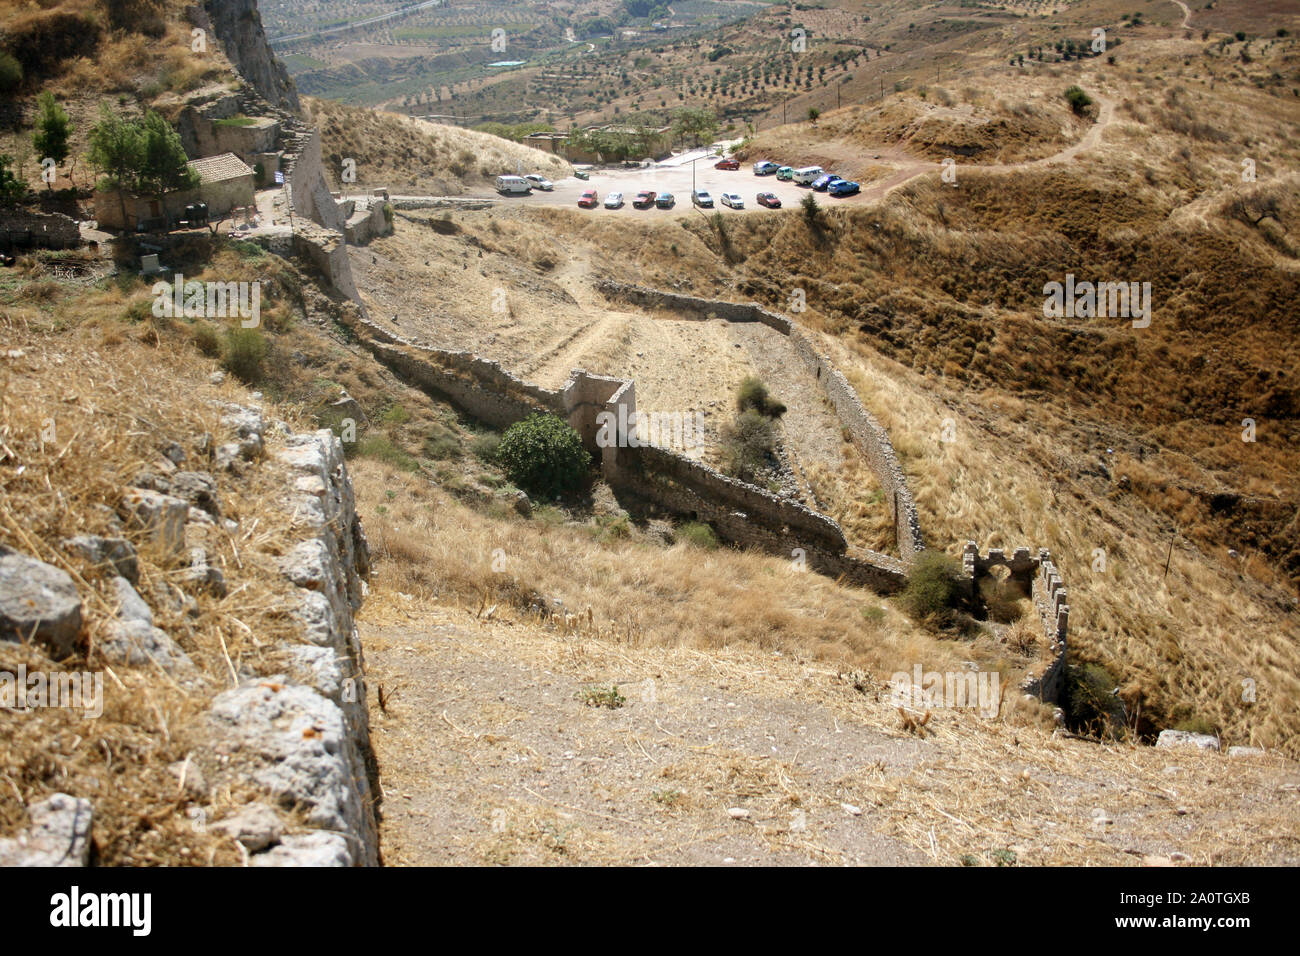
x=865, y=432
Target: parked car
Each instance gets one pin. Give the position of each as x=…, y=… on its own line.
x=822, y=183
x=701, y=198
x=765, y=167
x=665, y=201
x=644, y=199
x=513, y=185
x=770, y=200
x=614, y=201
x=589, y=199
x=727, y=164
x=539, y=182
x=785, y=173
x=842, y=187
x=581, y=174
x=733, y=200
x=808, y=175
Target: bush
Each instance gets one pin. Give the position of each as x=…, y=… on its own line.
x=544, y=456
x=1090, y=702
x=381, y=447
x=442, y=443
x=206, y=340
x=244, y=352
x=1078, y=100
x=932, y=586
x=747, y=444
x=754, y=394
x=11, y=73
x=698, y=535
x=485, y=447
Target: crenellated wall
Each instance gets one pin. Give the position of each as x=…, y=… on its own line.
x=1039, y=578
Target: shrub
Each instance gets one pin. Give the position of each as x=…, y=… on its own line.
x=754, y=394
x=746, y=444
x=544, y=456
x=811, y=211
x=485, y=447
x=206, y=340
x=442, y=443
x=244, y=352
x=932, y=586
x=1090, y=702
x=1078, y=100
x=698, y=535
x=11, y=73
x=381, y=447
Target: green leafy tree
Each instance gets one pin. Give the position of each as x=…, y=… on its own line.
x=544, y=456
x=11, y=73
x=139, y=156
x=117, y=152
x=1079, y=100
x=53, y=130
x=11, y=187
x=695, y=123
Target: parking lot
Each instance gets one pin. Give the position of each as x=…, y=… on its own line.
x=674, y=176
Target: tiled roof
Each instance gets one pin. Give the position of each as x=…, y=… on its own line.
x=215, y=169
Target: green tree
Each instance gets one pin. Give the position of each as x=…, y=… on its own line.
x=813, y=113
x=695, y=124
x=11, y=187
x=53, y=129
x=544, y=455
x=117, y=152
x=11, y=73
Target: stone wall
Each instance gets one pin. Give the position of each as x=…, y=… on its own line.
x=866, y=433
x=365, y=221
x=29, y=229
x=328, y=254
x=739, y=512
x=1039, y=578
x=309, y=196
x=303, y=736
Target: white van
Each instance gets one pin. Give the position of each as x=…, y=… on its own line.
x=808, y=175
x=513, y=184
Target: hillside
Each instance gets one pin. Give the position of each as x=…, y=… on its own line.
x=333, y=620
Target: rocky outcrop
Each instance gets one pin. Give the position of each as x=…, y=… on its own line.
x=238, y=25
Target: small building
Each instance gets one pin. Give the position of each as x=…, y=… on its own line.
x=225, y=182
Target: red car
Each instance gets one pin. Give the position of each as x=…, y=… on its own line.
x=770, y=200
x=588, y=200
x=727, y=164
x=644, y=199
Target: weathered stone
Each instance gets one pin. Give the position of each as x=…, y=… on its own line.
x=523, y=506
x=38, y=602
x=59, y=834
x=130, y=606
x=137, y=644
x=306, y=849
x=301, y=750
x=174, y=453
x=116, y=554
x=203, y=575
x=1184, y=738
x=161, y=515
x=1246, y=751
x=256, y=826
x=199, y=489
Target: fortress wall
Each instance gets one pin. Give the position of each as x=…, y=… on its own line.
x=865, y=432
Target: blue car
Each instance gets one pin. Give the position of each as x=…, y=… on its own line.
x=823, y=184
x=842, y=187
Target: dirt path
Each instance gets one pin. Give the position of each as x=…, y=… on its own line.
x=487, y=756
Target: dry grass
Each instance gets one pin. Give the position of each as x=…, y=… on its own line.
x=83, y=409
x=414, y=156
